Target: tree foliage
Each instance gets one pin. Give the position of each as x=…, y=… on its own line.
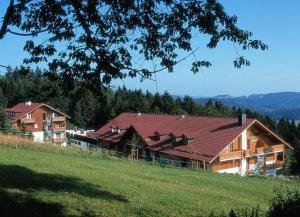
x=98, y=41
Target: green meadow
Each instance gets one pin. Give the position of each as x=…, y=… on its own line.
x=52, y=181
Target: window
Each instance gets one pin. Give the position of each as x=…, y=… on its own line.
x=280, y=156
x=29, y=116
x=35, y=126
x=229, y=147
x=185, y=140
x=173, y=139
x=44, y=116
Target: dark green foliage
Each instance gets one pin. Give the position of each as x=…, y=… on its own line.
x=285, y=204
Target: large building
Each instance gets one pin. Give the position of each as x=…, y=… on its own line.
x=44, y=122
x=225, y=145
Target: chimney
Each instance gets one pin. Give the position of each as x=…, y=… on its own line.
x=242, y=119
x=139, y=114
x=182, y=116
x=28, y=103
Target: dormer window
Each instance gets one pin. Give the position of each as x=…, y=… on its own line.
x=174, y=140
x=156, y=136
x=114, y=130
x=185, y=140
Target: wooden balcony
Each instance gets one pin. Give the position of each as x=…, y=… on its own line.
x=59, y=129
x=59, y=140
x=59, y=119
x=263, y=150
x=277, y=164
x=247, y=153
x=28, y=120
x=230, y=155
x=260, y=150
x=278, y=148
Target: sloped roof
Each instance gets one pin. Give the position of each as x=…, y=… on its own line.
x=208, y=135
x=21, y=109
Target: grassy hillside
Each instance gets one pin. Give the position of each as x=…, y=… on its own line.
x=37, y=181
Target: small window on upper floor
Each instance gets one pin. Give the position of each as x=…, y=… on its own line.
x=29, y=115
x=35, y=126
x=229, y=148
x=44, y=116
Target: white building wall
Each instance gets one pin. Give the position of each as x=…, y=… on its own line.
x=243, y=140
x=270, y=162
x=251, y=166
x=38, y=136
x=234, y=170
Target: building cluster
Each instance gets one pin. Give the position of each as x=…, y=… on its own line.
x=218, y=144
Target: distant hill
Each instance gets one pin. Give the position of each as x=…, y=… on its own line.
x=277, y=105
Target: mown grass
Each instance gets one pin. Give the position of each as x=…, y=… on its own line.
x=46, y=180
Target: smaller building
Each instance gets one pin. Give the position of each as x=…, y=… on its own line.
x=81, y=139
x=43, y=121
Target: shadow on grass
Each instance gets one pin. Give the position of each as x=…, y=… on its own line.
x=27, y=180
x=20, y=205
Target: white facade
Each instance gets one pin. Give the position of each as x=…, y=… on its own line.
x=38, y=136
x=243, y=138
x=235, y=170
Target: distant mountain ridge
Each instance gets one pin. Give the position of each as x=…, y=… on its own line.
x=277, y=105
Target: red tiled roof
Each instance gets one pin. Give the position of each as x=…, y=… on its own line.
x=208, y=135
x=21, y=109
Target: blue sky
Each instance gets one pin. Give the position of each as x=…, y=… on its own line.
x=275, y=22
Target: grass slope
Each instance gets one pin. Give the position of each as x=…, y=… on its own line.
x=37, y=181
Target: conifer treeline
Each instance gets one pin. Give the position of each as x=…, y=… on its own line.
x=90, y=109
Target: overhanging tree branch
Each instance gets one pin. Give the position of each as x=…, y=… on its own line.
x=114, y=34
x=6, y=19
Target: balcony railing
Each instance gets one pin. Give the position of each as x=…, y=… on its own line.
x=58, y=119
x=59, y=140
x=277, y=148
x=263, y=150
x=59, y=129
x=28, y=120
x=260, y=150
x=230, y=155
x=277, y=164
